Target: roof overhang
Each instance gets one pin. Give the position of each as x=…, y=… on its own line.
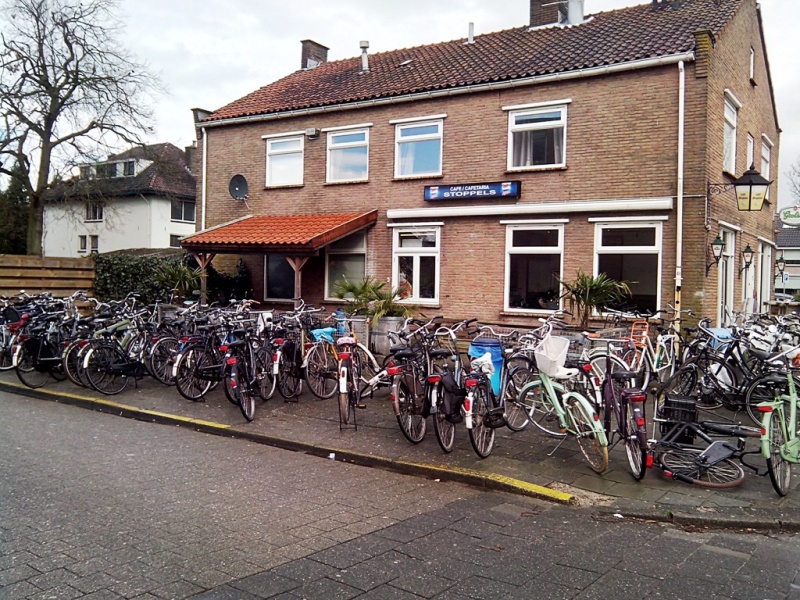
x=292, y=235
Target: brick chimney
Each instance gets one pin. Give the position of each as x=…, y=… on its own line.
x=313, y=54
x=546, y=12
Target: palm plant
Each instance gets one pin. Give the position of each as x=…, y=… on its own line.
x=586, y=293
x=372, y=297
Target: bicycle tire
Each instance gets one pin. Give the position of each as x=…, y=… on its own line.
x=369, y=366
x=265, y=387
x=28, y=372
x=71, y=361
x=766, y=388
x=515, y=412
x=411, y=422
x=162, y=358
x=682, y=461
x=540, y=409
x=635, y=445
x=445, y=430
x=595, y=453
x=481, y=436
x=779, y=469
x=6, y=359
x=717, y=383
x=321, y=372
x=288, y=383
x=187, y=381
x=345, y=407
x=102, y=367
x=682, y=383
x=245, y=394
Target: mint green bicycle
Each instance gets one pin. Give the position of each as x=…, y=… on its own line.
x=780, y=444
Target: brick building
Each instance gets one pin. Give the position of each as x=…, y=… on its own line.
x=480, y=170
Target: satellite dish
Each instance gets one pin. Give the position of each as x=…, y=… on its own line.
x=238, y=187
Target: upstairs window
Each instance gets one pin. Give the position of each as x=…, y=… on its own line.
x=94, y=211
x=183, y=210
x=129, y=167
x=751, y=149
x=418, y=149
x=537, y=137
x=86, y=172
x=729, y=137
x=285, y=161
x=348, y=155
x=107, y=170
x=766, y=159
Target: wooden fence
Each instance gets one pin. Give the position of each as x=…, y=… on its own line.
x=59, y=276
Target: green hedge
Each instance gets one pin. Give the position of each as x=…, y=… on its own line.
x=117, y=274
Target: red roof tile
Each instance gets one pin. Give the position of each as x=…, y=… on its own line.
x=608, y=38
x=299, y=234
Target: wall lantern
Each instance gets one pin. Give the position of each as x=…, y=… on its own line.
x=781, y=264
x=747, y=258
x=717, y=246
x=750, y=189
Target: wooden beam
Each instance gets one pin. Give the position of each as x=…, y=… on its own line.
x=297, y=263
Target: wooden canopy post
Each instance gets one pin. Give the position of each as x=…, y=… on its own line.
x=203, y=259
x=297, y=263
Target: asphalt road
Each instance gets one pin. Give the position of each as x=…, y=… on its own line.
x=96, y=506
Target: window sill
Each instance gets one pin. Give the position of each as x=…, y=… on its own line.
x=278, y=300
x=93, y=220
x=348, y=182
x=538, y=312
x=536, y=169
x=283, y=187
x=728, y=174
x=181, y=221
x=417, y=177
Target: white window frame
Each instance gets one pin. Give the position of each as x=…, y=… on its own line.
x=299, y=137
x=512, y=129
x=94, y=212
x=416, y=253
x=399, y=140
x=751, y=150
x=329, y=251
x=332, y=147
x=527, y=250
x=725, y=271
x=730, y=119
x=752, y=63
x=183, y=203
x=82, y=244
x=655, y=249
x=94, y=244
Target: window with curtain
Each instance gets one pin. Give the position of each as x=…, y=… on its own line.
x=415, y=263
x=285, y=161
x=729, y=133
x=533, y=265
x=418, y=149
x=536, y=138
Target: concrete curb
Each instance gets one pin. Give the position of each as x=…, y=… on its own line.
x=480, y=479
x=759, y=520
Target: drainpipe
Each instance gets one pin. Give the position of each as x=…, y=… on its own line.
x=204, y=182
x=679, y=235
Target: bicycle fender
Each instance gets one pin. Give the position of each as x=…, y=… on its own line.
x=394, y=395
x=597, y=426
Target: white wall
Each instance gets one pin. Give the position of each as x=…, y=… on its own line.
x=136, y=222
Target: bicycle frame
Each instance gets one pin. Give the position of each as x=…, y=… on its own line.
x=565, y=418
x=790, y=449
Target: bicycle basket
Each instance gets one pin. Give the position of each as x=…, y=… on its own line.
x=551, y=354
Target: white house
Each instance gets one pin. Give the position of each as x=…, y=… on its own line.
x=141, y=198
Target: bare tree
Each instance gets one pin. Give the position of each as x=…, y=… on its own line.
x=67, y=93
x=794, y=180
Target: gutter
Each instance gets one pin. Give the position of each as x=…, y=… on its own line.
x=204, y=180
x=679, y=234
x=469, y=89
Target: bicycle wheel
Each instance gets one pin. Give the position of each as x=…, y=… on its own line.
x=29, y=369
x=71, y=362
x=162, y=359
x=717, y=383
x=187, y=380
x=445, y=430
x=481, y=436
x=684, y=463
x=321, y=372
x=534, y=399
x=104, y=369
x=288, y=382
x=766, y=388
x=369, y=366
x=346, y=408
x=595, y=453
x=635, y=445
x=516, y=413
x=412, y=423
x=240, y=376
x=682, y=383
x=265, y=386
x=780, y=469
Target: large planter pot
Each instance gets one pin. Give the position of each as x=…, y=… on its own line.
x=379, y=334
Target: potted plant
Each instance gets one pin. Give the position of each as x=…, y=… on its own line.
x=586, y=293
x=382, y=305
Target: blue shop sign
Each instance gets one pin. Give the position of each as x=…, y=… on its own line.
x=469, y=191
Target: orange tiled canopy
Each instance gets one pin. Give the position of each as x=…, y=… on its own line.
x=297, y=235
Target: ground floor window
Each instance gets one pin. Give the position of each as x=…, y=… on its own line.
x=345, y=259
x=415, y=264
x=631, y=252
x=278, y=278
x=533, y=266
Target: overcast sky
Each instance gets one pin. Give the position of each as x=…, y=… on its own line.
x=212, y=52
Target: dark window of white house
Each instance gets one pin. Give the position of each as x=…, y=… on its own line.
x=94, y=242
x=82, y=243
x=183, y=210
x=130, y=168
x=107, y=170
x=94, y=211
x=175, y=241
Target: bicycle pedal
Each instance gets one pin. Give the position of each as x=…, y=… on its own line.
x=361, y=405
